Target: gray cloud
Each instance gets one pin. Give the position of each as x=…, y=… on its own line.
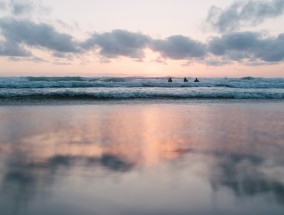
x=118, y=43
x=21, y=7
x=60, y=55
x=241, y=41
x=13, y=50
x=216, y=62
x=17, y=7
x=3, y=5
x=18, y=36
x=272, y=49
x=124, y=43
x=37, y=35
x=244, y=13
x=28, y=58
x=248, y=45
x=179, y=47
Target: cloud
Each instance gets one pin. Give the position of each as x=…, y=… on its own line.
x=248, y=45
x=244, y=13
x=179, y=47
x=118, y=43
x=109, y=44
x=3, y=5
x=236, y=46
x=13, y=50
x=240, y=42
x=17, y=7
x=124, y=43
x=216, y=62
x=21, y=7
x=20, y=36
x=36, y=35
x=272, y=49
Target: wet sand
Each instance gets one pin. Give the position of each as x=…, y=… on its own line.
x=198, y=157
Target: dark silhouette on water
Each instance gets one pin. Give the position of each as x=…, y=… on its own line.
x=196, y=80
x=185, y=80
x=170, y=80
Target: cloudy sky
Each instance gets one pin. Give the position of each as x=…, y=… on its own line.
x=142, y=38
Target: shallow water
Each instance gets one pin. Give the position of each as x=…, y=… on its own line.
x=142, y=158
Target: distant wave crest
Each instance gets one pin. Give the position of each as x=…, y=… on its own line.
x=114, y=82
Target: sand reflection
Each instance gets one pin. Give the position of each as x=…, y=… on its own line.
x=143, y=137
x=235, y=150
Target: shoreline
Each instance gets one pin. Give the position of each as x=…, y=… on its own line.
x=28, y=102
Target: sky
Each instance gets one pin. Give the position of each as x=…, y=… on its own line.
x=224, y=38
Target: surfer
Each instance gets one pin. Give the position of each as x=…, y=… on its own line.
x=170, y=80
x=196, y=80
x=185, y=80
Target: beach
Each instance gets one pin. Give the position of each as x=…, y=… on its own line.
x=142, y=107
x=142, y=157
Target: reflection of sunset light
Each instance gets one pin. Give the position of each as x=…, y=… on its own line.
x=148, y=127
x=156, y=146
x=146, y=135
x=151, y=130
x=59, y=143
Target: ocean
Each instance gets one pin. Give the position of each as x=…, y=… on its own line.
x=117, y=88
x=124, y=146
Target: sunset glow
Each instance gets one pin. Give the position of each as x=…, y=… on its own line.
x=142, y=38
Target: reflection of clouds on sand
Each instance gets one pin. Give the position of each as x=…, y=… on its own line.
x=233, y=150
x=25, y=178
x=249, y=176
x=39, y=151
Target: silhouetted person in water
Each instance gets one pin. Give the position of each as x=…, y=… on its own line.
x=196, y=80
x=170, y=80
x=185, y=80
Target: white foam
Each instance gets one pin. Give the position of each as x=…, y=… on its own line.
x=80, y=82
x=143, y=93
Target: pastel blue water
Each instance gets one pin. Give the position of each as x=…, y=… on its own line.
x=140, y=88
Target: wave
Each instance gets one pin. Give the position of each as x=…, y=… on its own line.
x=142, y=93
x=130, y=82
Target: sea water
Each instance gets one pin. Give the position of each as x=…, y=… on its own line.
x=45, y=88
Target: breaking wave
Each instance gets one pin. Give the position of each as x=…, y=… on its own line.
x=45, y=88
x=113, y=82
x=142, y=93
